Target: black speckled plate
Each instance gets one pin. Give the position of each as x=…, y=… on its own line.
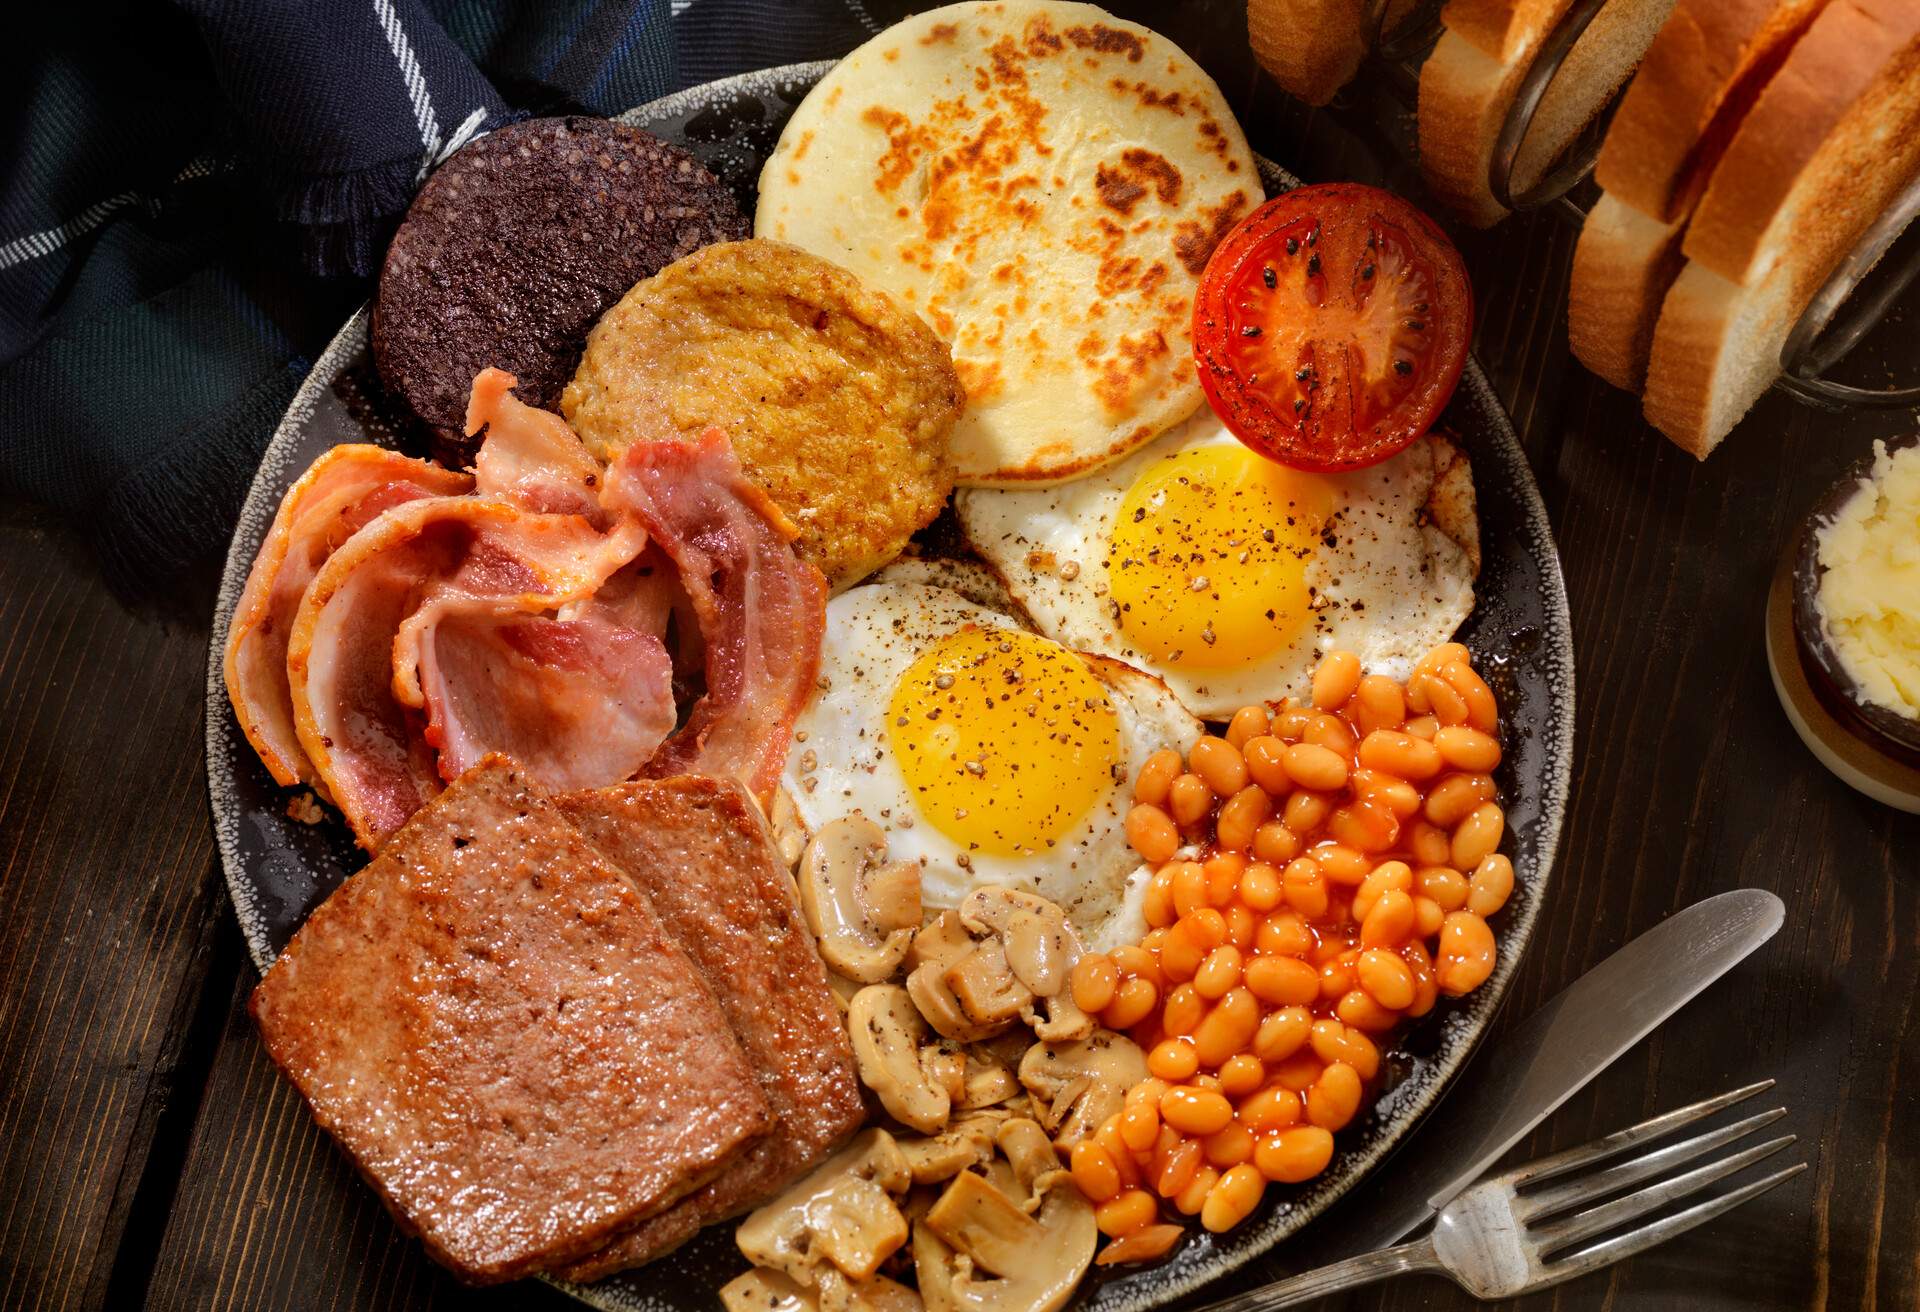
x=278, y=868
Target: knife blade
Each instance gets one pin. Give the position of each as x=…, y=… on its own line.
x=1557, y=1050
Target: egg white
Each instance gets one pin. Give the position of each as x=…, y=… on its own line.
x=1388, y=582
x=841, y=762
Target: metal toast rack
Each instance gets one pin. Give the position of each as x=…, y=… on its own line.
x=1839, y=316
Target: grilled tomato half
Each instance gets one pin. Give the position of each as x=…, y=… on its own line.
x=1331, y=326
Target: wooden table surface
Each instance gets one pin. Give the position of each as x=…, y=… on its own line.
x=149, y=1154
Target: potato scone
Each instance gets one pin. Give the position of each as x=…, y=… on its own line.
x=1044, y=183
x=838, y=400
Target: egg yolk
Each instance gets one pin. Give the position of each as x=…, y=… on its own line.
x=1210, y=549
x=1006, y=739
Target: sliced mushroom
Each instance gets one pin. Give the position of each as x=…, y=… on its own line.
x=941, y=944
x=1041, y=946
x=1064, y=1022
x=946, y=1066
x=766, y=1290
x=1076, y=1086
x=788, y=829
x=887, y=1032
x=862, y=909
x=984, y=984
x=1031, y=1154
x=985, y=1080
x=1045, y=1246
x=840, y=1213
x=967, y=1141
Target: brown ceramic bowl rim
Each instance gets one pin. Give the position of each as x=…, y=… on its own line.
x=1887, y=731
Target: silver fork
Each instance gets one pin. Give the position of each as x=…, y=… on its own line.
x=1512, y=1234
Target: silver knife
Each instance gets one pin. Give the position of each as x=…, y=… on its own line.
x=1557, y=1050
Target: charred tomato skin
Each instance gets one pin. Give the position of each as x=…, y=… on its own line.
x=1331, y=326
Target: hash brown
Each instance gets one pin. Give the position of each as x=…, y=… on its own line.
x=838, y=400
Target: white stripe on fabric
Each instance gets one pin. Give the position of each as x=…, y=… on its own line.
x=416, y=82
x=860, y=12
x=35, y=245
x=681, y=6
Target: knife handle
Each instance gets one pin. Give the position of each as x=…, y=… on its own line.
x=1412, y=1258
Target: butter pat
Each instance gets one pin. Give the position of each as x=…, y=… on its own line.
x=1869, y=598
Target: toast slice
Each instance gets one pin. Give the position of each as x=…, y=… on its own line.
x=1829, y=143
x=1312, y=48
x=1701, y=75
x=499, y=1030
x=1470, y=80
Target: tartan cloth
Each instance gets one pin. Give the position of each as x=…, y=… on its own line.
x=196, y=196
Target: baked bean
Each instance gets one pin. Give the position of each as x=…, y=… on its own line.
x=1390, y=922
x=1341, y=863
x=1305, y=812
x=1227, y=1029
x=1483, y=712
x=1184, y=1011
x=1266, y=763
x=1219, y=763
x=1240, y=1075
x=1444, y=700
x=1132, y=1003
x=1365, y=825
x=1108, y=1137
x=1467, y=954
x=1426, y=990
x=1491, y=886
x=1358, y=1010
x=1233, y=1199
x=1283, y=981
x=1334, y=1040
x=1275, y=844
x=1336, y=679
x=1156, y=776
x=1206, y=927
x=1180, y=955
x=1241, y=926
x=1282, y=1033
x=1396, y=795
x=1189, y=799
x=1248, y=723
x=1284, y=934
x=1173, y=1060
x=1388, y=876
x=1298, y=1072
x=1219, y=973
x=1260, y=887
x=1211, y=1083
x=1140, y=1126
x=1316, y=767
x=1148, y=1090
x=1150, y=832
x=1430, y=844
x=1094, y=1171
x=1304, y=886
x=1336, y=976
x=1156, y=903
x=1241, y=816
x=1194, y=1196
x=1223, y=870
x=1136, y=962
x=1441, y=656
x=1273, y=1108
x=1294, y=1155
x=1230, y=1147
x=1453, y=797
x=1290, y=725
x=1095, y=979
x=1427, y=917
x=1147, y=1244
x=1121, y=1216
x=1174, y=1168
x=1332, y=733
x=1194, y=1111
x=1382, y=704
x=1443, y=884
x=1468, y=749
x=1334, y=1098
x=1190, y=893
x=1422, y=727
x=1475, y=838
x=1399, y=754
x=1386, y=977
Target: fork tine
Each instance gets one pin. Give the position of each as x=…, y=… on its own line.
x=1620, y=1211
x=1621, y=1247
x=1632, y=1137
x=1587, y=1188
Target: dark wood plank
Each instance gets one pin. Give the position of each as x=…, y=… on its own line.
x=110, y=897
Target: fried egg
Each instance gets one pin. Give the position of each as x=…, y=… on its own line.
x=988, y=754
x=1228, y=576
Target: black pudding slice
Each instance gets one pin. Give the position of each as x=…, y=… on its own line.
x=515, y=247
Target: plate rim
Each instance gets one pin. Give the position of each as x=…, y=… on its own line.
x=1558, y=730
